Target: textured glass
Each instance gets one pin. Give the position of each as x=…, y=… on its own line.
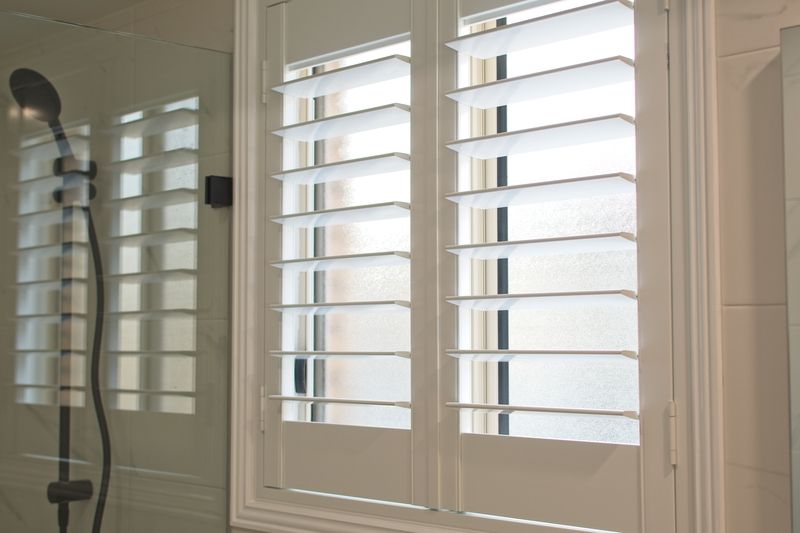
x=577, y=272
x=377, y=379
x=365, y=284
x=604, y=327
x=575, y=382
x=560, y=382
x=608, y=214
x=611, y=429
x=381, y=331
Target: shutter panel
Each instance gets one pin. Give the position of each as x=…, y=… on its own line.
x=344, y=349
x=547, y=300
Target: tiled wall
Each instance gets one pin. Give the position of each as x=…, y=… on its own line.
x=753, y=263
x=202, y=23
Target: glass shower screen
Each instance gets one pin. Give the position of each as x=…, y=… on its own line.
x=139, y=305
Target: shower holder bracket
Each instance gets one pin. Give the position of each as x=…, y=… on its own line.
x=69, y=491
x=63, y=166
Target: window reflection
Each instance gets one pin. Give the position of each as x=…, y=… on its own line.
x=148, y=209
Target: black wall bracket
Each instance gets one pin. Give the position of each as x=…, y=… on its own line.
x=69, y=491
x=219, y=191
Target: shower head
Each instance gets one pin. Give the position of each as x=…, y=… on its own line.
x=35, y=95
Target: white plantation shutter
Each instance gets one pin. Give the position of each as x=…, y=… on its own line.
x=529, y=377
x=548, y=347
x=342, y=404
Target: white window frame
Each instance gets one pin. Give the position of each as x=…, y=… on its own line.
x=693, y=224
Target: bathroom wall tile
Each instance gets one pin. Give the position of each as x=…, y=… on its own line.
x=203, y=23
x=756, y=409
x=756, y=378
x=745, y=25
x=757, y=501
x=751, y=179
x=104, y=14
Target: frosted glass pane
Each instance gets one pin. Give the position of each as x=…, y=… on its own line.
x=366, y=237
x=618, y=430
x=361, y=415
x=576, y=217
x=368, y=331
x=364, y=284
x=375, y=189
x=573, y=273
x=608, y=327
x=375, y=379
x=574, y=161
x=577, y=382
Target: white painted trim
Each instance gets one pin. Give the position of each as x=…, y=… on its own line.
x=696, y=310
x=248, y=255
x=696, y=256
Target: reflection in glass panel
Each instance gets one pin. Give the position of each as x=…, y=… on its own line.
x=153, y=269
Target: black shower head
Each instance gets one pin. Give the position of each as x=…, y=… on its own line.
x=35, y=95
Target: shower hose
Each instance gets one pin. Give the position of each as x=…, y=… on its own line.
x=97, y=399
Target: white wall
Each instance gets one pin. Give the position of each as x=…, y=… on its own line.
x=757, y=490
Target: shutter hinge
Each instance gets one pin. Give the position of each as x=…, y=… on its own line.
x=264, y=81
x=673, y=434
x=263, y=409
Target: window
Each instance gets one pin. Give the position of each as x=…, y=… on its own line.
x=469, y=266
